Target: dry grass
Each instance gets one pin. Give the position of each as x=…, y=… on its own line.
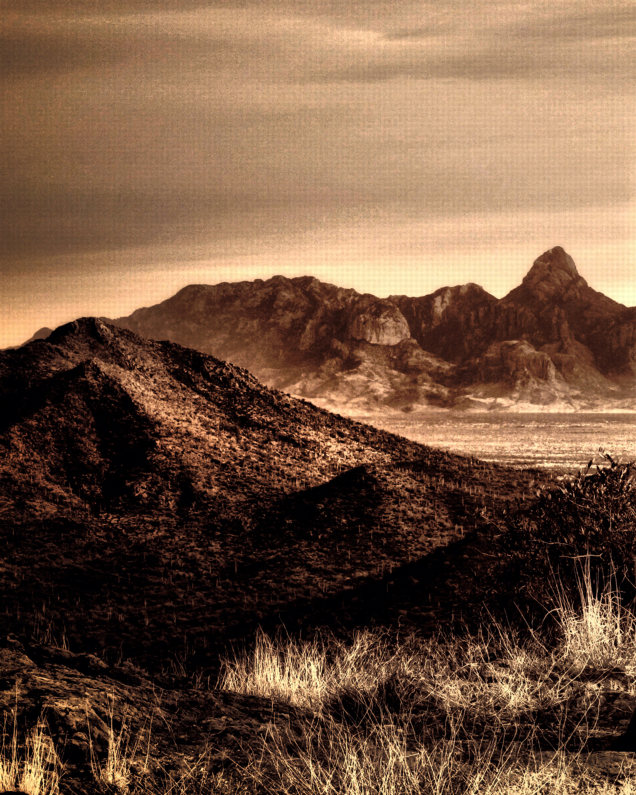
x=598, y=633
x=127, y=754
x=34, y=768
x=493, y=714
x=488, y=675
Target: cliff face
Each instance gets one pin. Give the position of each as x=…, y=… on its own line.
x=378, y=322
x=551, y=340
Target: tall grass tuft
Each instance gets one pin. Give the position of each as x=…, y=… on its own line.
x=597, y=632
x=493, y=713
x=123, y=756
x=34, y=769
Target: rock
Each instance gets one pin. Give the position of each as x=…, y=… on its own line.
x=381, y=323
x=158, y=730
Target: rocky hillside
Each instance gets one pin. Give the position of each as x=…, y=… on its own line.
x=138, y=474
x=551, y=341
x=158, y=506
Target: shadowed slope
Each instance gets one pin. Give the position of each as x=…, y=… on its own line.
x=157, y=500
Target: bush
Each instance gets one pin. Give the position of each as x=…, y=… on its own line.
x=592, y=518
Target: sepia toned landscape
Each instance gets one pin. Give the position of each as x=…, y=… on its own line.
x=317, y=398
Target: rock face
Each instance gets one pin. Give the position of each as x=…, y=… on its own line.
x=515, y=369
x=358, y=352
x=379, y=323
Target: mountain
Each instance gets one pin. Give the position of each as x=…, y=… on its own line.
x=155, y=498
x=40, y=334
x=552, y=341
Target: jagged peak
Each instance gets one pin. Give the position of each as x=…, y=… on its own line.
x=553, y=276
x=555, y=265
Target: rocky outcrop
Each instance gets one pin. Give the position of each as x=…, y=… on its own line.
x=379, y=323
x=614, y=339
x=332, y=344
x=515, y=369
x=90, y=709
x=450, y=323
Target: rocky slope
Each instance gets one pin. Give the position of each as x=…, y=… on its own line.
x=137, y=474
x=158, y=505
x=551, y=341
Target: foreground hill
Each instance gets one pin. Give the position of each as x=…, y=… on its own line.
x=551, y=341
x=157, y=500
x=158, y=506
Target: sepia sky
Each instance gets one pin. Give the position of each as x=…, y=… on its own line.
x=394, y=147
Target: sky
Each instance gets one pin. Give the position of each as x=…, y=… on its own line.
x=394, y=147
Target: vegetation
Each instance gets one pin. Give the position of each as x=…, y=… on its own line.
x=494, y=714
x=34, y=768
x=588, y=521
x=119, y=600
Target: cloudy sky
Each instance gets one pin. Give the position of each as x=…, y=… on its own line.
x=395, y=147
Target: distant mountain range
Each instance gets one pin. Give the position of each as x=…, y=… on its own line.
x=552, y=342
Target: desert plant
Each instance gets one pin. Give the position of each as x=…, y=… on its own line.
x=597, y=633
x=33, y=768
x=126, y=752
x=292, y=672
x=591, y=516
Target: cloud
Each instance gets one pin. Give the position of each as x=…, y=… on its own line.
x=611, y=21
x=490, y=62
x=287, y=42
x=227, y=121
x=31, y=46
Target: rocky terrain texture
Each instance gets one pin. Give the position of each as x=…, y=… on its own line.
x=551, y=341
x=160, y=503
x=173, y=739
x=205, y=739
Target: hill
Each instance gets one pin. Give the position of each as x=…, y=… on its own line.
x=159, y=507
x=136, y=474
x=551, y=341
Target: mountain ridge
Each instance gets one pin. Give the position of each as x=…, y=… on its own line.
x=134, y=466
x=553, y=341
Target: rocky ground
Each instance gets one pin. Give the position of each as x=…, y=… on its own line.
x=158, y=502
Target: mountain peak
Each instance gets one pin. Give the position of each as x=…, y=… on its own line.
x=552, y=277
x=555, y=266
x=83, y=327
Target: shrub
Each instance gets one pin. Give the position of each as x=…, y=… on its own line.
x=33, y=769
x=589, y=519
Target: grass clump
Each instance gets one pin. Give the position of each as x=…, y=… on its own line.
x=34, y=767
x=598, y=634
x=125, y=755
